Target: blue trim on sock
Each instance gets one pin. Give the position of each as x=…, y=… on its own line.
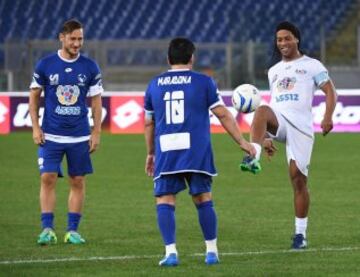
x=166, y=222
x=73, y=221
x=47, y=220
x=207, y=219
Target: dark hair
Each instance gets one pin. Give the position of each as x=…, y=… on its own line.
x=70, y=26
x=285, y=25
x=180, y=51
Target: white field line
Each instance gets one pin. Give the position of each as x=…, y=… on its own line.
x=138, y=257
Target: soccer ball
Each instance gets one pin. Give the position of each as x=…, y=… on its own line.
x=246, y=98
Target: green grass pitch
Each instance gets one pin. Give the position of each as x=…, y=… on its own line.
x=255, y=215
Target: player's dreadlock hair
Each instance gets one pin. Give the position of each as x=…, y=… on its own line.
x=180, y=51
x=70, y=26
x=285, y=25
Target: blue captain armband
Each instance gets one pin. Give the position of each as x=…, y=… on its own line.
x=321, y=78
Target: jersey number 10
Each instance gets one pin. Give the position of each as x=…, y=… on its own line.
x=174, y=105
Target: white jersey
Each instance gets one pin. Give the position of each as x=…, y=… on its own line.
x=292, y=87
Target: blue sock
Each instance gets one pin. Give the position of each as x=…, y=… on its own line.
x=207, y=220
x=73, y=221
x=47, y=220
x=166, y=222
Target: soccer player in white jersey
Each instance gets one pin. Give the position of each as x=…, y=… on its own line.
x=288, y=118
x=66, y=78
x=179, y=153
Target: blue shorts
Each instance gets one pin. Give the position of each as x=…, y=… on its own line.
x=173, y=183
x=77, y=155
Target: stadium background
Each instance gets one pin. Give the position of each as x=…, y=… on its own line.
x=129, y=40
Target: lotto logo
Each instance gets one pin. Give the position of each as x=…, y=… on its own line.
x=4, y=114
x=127, y=114
x=346, y=118
x=22, y=118
x=348, y=115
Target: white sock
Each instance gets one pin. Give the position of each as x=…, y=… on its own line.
x=211, y=246
x=170, y=248
x=301, y=226
x=258, y=150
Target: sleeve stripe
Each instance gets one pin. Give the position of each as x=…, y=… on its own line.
x=35, y=84
x=95, y=90
x=217, y=103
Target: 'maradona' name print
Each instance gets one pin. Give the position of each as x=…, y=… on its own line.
x=174, y=80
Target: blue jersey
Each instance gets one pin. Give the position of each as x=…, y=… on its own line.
x=180, y=101
x=66, y=84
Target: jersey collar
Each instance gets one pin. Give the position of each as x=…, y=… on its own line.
x=66, y=60
x=178, y=70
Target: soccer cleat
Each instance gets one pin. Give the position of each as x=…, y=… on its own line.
x=299, y=242
x=211, y=258
x=250, y=164
x=170, y=260
x=47, y=237
x=73, y=237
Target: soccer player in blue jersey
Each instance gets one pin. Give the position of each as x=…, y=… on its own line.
x=66, y=78
x=179, y=153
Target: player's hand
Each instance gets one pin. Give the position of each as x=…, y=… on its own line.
x=248, y=148
x=269, y=147
x=326, y=125
x=38, y=136
x=94, y=141
x=149, y=165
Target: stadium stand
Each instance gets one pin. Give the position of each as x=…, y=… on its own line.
x=202, y=20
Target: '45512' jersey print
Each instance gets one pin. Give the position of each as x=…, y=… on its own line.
x=66, y=84
x=292, y=86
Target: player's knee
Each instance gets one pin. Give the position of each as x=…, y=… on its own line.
x=169, y=199
x=77, y=182
x=299, y=183
x=263, y=114
x=202, y=197
x=262, y=111
x=48, y=180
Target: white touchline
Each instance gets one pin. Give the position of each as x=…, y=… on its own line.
x=137, y=257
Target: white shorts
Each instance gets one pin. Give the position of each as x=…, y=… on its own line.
x=298, y=144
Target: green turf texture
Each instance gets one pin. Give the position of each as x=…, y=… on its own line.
x=255, y=214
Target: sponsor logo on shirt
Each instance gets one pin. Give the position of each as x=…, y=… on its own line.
x=300, y=71
x=67, y=95
x=68, y=69
x=82, y=78
x=54, y=79
x=286, y=83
